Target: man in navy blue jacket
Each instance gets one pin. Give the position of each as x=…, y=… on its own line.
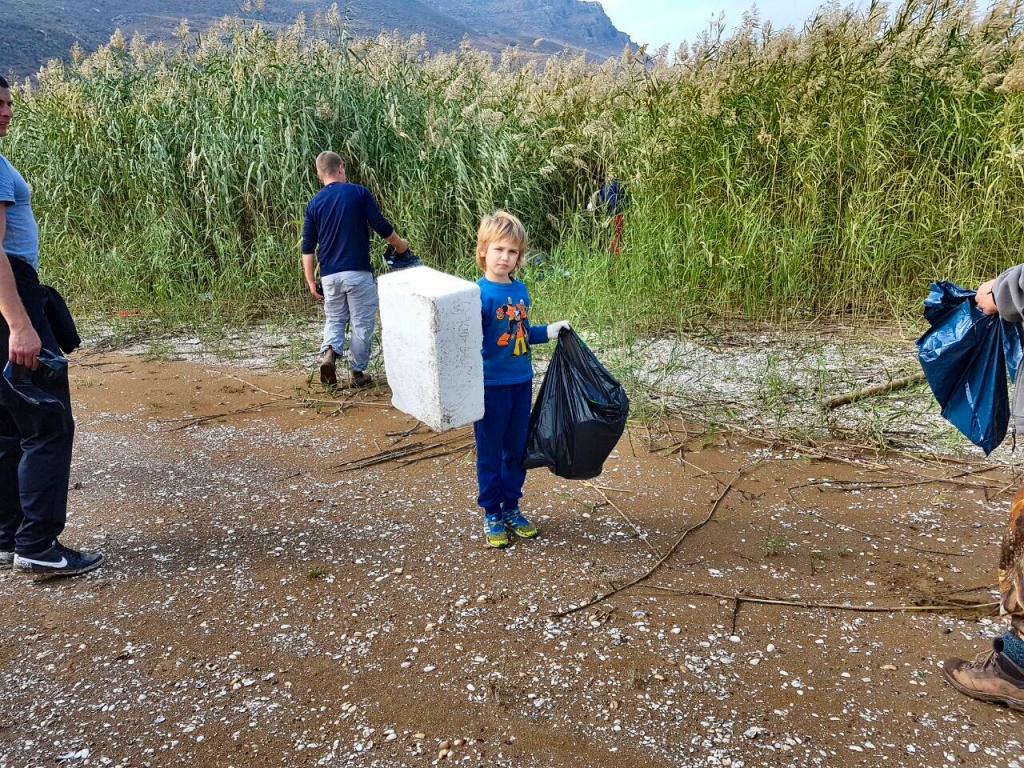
x=336, y=234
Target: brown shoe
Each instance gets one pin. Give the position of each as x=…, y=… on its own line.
x=994, y=678
x=360, y=379
x=328, y=370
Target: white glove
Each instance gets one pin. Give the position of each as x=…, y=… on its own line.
x=555, y=328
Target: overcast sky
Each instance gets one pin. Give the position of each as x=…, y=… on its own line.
x=671, y=21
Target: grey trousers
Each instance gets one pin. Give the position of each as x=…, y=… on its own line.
x=350, y=298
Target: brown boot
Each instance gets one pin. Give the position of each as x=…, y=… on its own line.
x=360, y=379
x=328, y=370
x=994, y=678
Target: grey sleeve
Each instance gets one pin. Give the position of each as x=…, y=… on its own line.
x=1008, y=293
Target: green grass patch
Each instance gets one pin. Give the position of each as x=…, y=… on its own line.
x=831, y=171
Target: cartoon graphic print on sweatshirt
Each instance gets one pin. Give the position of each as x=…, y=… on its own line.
x=516, y=316
x=508, y=335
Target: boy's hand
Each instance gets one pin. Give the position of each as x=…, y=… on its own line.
x=555, y=328
x=313, y=290
x=985, y=300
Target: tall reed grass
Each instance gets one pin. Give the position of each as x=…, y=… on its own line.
x=831, y=170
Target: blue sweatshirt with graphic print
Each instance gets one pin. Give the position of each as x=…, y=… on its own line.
x=508, y=334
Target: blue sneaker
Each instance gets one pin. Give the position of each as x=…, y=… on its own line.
x=494, y=530
x=58, y=560
x=517, y=521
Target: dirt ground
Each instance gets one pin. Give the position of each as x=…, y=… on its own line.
x=268, y=602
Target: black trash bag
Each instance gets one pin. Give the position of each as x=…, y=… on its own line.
x=966, y=356
x=579, y=415
x=32, y=386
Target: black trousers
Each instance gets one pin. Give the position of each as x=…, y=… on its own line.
x=35, y=442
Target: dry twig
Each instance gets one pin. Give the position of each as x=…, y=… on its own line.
x=847, y=526
x=193, y=421
x=939, y=607
x=405, y=452
x=458, y=449
x=642, y=536
x=666, y=556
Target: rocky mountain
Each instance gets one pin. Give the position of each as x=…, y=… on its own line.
x=34, y=31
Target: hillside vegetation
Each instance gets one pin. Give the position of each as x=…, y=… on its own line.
x=37, y=31
x=831, y=170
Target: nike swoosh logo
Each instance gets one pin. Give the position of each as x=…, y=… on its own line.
x=63, y=563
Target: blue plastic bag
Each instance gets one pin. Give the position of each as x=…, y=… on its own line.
x=965, y=356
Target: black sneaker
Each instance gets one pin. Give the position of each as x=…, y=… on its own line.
x=58, y=560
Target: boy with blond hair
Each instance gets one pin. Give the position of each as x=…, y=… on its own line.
x=508, y=376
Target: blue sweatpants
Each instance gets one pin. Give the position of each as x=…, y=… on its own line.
x=500, y=446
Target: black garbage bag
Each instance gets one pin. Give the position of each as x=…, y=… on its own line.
x=966, y=356
x=579, y=415
x=33, y=386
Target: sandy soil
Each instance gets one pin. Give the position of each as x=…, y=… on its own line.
x=266, y=603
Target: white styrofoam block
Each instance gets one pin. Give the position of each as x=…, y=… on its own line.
x=432, y=338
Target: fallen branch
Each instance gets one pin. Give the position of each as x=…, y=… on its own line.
x=666, y=556
x=878, y=389
x=945, y=606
